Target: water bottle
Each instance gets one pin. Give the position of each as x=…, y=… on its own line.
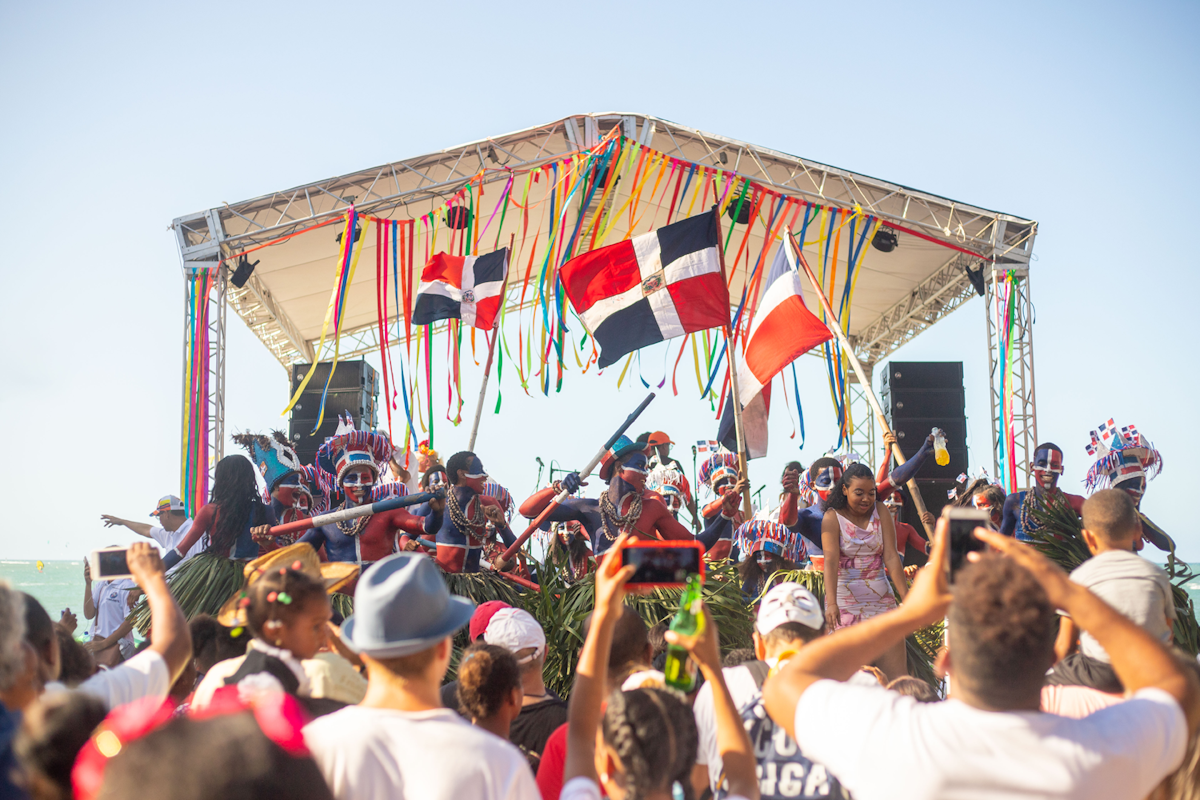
x=940, y=454
x=680, y=670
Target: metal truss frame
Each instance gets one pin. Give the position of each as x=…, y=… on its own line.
x=1024, y=396
x=390, y=190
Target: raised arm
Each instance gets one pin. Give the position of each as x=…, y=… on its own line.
x=140, y=528
x=1140, y=661
x=89, y=603
x=591, y=675
x=906, y=471
x=840, y=654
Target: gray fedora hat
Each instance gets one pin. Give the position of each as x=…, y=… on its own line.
x=402, y=606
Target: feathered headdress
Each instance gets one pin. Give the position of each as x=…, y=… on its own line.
x=667, y=481
x=273, y=455
x=1121, y=454
x=493, y=489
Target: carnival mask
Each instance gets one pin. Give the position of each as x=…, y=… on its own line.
x=357, y=483
x=475, y=477
x=722, y=480
x=634, y=471
x=1135, y=487
x=435, y=480
x=1047, y=467
x=980, y=502
x=673, y=500
x=294, y=496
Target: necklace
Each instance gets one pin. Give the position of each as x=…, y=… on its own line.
x=460, y=519
x=614, y=522
x=355, y=526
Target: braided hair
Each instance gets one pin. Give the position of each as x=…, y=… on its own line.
x=235, y=494
x=654, y=735
x=837, y=495
x=278, y=596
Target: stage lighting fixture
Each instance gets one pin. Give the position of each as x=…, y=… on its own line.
x=723, y=158
x=491, y=154
x=743, y=214
x=976, y=277
x=458, y=217
x=357, y=235
x=886, y=240
x=245, y=268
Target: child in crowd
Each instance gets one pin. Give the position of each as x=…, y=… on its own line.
x=1117, y=575
x=489, y=688
x=648, y=735
x=287, y=612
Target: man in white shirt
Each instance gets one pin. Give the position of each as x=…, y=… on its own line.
x=989, y=739
x=789, y=617
x=400, y=742
x=173, y=525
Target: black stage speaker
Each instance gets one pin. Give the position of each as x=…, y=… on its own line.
x=918, y=396
x=354, y=390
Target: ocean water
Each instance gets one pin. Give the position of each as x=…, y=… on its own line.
x=59, y=585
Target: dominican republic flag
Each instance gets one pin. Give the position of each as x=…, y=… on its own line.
x=469, y=288
x=706, y=446
x=650, y=288
x=782, y=330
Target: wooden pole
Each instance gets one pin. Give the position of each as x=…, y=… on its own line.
x=743, y=456
x=487, y=369
x=835, y=327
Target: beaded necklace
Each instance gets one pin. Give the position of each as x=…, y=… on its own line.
x=459, y=518
x=353, y=527
x=615, y=522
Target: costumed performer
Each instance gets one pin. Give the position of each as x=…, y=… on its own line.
x=1018, y=507
x=353, y=458
x=234, y=515
x=461, y=519
x=860, y=543
x=724, y=514
x=624, y=506
x=980, y=494
x=1125, y=460
x=769, y=547
x=660, y=457
x=905, y=534
x=289, y=495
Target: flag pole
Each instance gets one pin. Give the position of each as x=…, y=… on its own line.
x=487, y=369
x=835, y=326
x=743, y=459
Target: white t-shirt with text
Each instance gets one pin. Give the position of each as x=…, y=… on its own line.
x=880, y=745
x=111, y=601
x=742, y=688
x=384, y=754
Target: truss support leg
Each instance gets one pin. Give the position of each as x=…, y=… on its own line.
x=862, y=437
x=1009, y=316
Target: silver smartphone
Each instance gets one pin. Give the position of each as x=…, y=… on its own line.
x=109, y=563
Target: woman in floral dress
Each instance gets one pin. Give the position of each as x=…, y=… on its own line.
x=859, y=540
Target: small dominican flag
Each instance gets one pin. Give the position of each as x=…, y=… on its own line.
x=1107, y=429
x=469, y=288
x=650, y=288
x=707, y=446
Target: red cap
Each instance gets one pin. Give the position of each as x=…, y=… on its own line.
x=657, y=438
x=483, y=615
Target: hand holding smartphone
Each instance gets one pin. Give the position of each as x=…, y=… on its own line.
x=962, y=523
x=662, y=564
x=109, y=563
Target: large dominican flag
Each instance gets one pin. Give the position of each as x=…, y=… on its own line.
x=650, y=288
x=462, y=287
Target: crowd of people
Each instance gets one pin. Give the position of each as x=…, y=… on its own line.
x=1052, y=685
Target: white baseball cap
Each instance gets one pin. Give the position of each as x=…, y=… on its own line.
x=788, y=602
x=515, y=630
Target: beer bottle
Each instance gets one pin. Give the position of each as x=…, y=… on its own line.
x=680, y=670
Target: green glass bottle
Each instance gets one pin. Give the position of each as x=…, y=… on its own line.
x=680, y=670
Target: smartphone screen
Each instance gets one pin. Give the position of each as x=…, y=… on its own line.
x=963, y=541
x=112, y=562
x=662, y=564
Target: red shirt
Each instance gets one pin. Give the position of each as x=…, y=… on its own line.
x=554, y=759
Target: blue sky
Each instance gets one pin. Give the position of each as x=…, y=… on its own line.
x=120, y=117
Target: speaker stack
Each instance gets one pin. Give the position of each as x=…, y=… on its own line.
x=354, y=390
x=919, y=396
